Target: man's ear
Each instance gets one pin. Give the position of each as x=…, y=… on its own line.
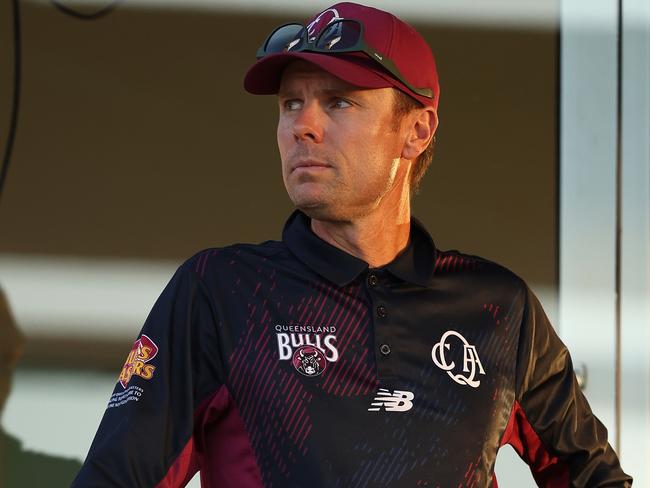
x=423, y=125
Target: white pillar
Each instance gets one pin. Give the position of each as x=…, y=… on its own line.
x=635, y=242
x=589, y=141
x=588, y=136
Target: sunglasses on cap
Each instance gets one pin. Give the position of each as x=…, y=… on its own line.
x=340, y=36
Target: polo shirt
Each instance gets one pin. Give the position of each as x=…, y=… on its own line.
x=294, y=364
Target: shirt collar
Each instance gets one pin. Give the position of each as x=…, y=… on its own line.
x=415, y=264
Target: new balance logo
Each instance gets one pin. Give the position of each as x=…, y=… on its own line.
x=398, y=401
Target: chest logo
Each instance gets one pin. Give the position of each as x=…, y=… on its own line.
x=398, y=401
x=309, y=348
x=471, y=362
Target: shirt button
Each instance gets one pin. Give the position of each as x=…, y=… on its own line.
x=381, y=311
x=372, y=280
x=384, y=349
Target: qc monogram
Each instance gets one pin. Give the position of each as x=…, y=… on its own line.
x=471, y=360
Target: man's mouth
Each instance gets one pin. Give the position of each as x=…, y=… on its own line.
x=310, y=165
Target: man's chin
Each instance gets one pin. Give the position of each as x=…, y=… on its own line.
x=312, y=209
x=315, y=209
x=323, y=212
x=321, y=206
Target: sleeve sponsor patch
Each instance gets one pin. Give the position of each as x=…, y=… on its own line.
x=144, y=350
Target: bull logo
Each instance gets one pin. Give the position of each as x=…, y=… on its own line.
x=309, y=361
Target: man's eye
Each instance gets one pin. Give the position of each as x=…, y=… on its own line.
x=341, y=103
x=292, y=105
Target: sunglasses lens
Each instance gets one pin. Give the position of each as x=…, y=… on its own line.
x=284, y=39
x=339, y=36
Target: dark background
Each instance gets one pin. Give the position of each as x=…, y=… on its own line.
x=137, y=140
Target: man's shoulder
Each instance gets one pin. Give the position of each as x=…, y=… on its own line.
x=237, y=253
x=477, y=268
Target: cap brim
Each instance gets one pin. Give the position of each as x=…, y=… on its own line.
x=265, y=76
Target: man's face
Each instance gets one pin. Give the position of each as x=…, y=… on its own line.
x=340, y=146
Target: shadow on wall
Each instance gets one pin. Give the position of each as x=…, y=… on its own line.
x=19, y=467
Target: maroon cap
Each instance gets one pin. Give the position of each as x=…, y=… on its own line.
x=389, y=35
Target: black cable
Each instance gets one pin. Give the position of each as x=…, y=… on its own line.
x=15, y=99
x=87, y=16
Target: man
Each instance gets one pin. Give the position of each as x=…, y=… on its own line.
x=352, y=353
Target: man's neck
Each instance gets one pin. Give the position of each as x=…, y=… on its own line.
x=376, y=238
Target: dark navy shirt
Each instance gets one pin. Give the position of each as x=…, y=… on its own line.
x=293, y=364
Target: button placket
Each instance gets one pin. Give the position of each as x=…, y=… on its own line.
x=372, y=280
x=383, y=351
x=385, y=367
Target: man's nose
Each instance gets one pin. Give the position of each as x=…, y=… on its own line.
x=308, y=124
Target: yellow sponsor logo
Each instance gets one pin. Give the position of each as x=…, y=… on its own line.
x=144, y=350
